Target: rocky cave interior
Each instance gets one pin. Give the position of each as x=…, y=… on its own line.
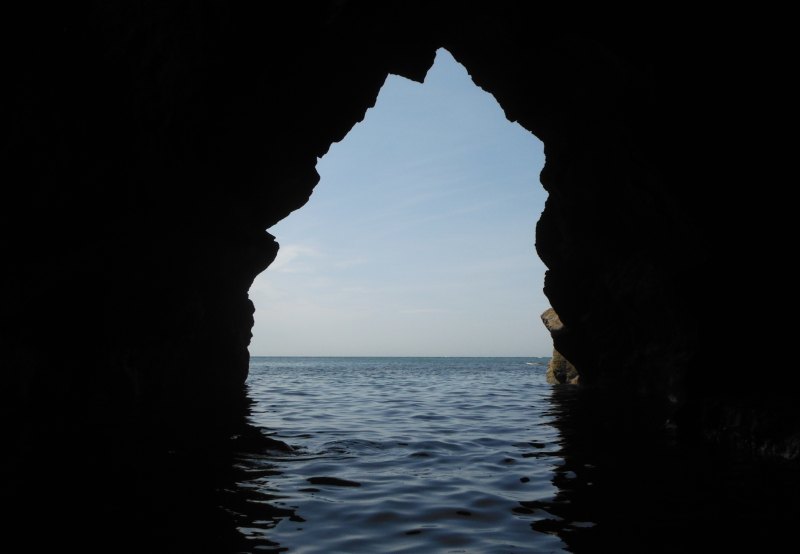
x=149, y=146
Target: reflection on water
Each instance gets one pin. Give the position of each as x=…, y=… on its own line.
x=432, y=457
x=646, y=490
x=107, y=490
x=490, y=459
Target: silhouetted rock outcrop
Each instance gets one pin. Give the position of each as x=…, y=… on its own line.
x=148, y=147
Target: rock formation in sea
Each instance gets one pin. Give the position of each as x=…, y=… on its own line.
x=148, y=147
x=559, y=369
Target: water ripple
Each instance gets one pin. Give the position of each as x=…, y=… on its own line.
x=437, y=448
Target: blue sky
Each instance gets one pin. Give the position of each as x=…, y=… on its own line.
x=418, y=239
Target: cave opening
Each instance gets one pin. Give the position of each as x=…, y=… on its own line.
x=419, y=238
x=149, y=149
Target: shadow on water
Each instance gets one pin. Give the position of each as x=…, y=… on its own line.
x=114, y=490
x=629, y=484
x=625, y=484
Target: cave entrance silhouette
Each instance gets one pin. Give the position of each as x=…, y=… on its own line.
x=419, y=238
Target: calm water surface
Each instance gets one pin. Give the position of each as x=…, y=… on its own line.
x=471, y=455
x=446, y=452
x=429, y=456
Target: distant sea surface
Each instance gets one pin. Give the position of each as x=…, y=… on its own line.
x=482, y=456
x=443, y=451
x=402, y=455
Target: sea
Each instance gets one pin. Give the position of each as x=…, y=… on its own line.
x=398, y=455
x=436, y=454
x=483, y=456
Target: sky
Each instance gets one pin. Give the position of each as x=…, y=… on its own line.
x=418, y=239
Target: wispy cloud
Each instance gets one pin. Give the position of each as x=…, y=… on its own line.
x=418, y=239
x=350, y=263
x=320, y=283
x=356, y=289
x=290, y=256
x=432, y=311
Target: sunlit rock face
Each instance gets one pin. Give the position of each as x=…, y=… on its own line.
x=559, y=369
x=148, y=148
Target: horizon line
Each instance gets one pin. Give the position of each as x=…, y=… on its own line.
x=384, y=356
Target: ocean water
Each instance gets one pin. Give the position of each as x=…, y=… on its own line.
x=425, y=455
x=482, y=456
x=443, y=452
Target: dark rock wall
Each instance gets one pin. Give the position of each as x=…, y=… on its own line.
x=614, y=234
x=148, y=145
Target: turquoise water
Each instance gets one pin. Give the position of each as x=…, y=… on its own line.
x=444, y=451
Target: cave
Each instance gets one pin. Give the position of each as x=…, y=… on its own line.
x=149, y=146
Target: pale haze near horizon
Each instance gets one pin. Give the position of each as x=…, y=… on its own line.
x=418, y=239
